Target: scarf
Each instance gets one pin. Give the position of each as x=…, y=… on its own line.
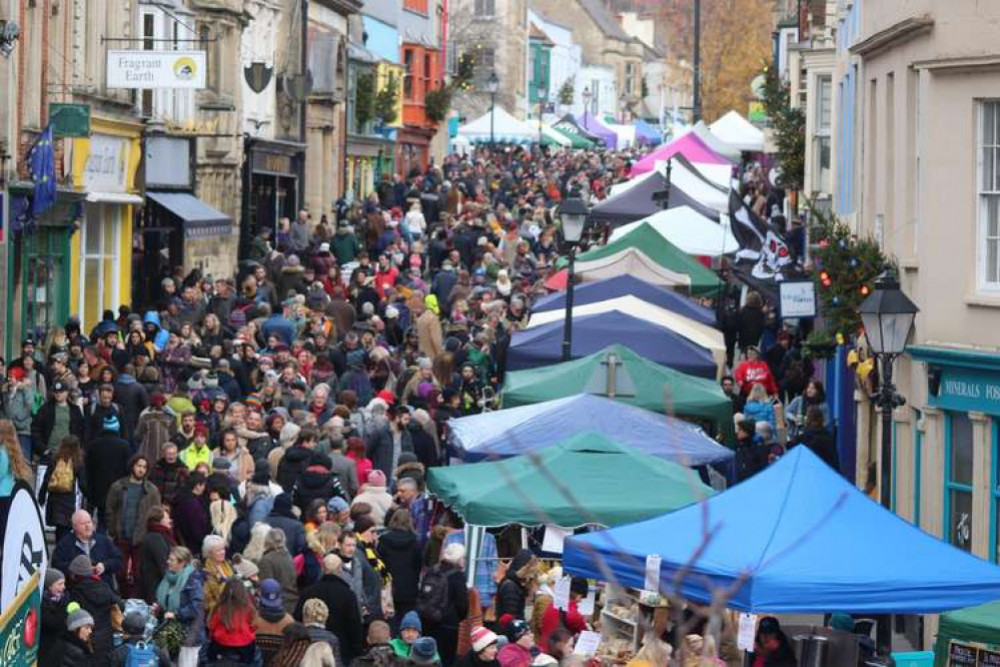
x=168, y=534
x=168, y=593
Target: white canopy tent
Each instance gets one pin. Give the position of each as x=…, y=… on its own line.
x=633, y=262
x=700, y=182
x=738, y=132
x=689, y=230
x=625, y=134
x=696, y=332
x=723, y=148
x=506, y=129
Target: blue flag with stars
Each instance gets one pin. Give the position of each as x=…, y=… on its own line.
x=42, y=166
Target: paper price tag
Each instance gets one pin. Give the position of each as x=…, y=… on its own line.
x=554, y=538
x=561, y=590
x=586, y=605
x=652, y=572
x=747, y=631
x=587, y=643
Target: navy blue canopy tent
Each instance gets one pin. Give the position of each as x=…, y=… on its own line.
x=626, y=285
x=637, y=202
x=542, y=345
x=532, y=427
x=804, y=540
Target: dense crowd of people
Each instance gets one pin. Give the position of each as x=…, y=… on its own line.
x=248, y=455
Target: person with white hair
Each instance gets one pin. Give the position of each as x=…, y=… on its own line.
x=443, y=601
x=216, y=569
x=344, y=618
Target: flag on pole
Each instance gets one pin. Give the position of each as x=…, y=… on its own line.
x=42, y=166
x=762, y=248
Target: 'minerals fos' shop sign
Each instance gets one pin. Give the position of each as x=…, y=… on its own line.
x=156, y=69
x=965, y=390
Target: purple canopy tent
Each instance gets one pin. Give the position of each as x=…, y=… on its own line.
x=599, y=130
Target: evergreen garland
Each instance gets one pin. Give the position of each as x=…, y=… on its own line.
x=464, y=73
x=845, y=269
x=789, y=125
x=364, y=100
x=387, y=99
x=566, y=92
x=437, y=103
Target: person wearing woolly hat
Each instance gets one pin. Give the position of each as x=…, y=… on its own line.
x=54, y=613
x=410, y=630
x=375, y=493
x=484, y=650
x=429, y=334
x=519, y=651
x=424, y=652
x=96, y=597
x=75, y=644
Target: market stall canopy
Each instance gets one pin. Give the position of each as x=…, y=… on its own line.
x=585, y=480
x=610, y=288
x=688, y=230
x=542, y=346
x=640, y=201
x=646, y=134
x=575, y=140
x=595, y=127
x=738, y=132
x=570, y=127
x=625, y=134
x=552, y=137
x=506, y=129
x=690, y=146
x=700, y=334
x=558, y=281
x=529, y=428
x=647, y=244
x=619, y=373
x=804, y=539
x=706, y=184
x=980, y=624
x=727, y=151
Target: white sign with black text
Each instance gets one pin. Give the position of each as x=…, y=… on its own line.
x=156, y=69
x=796, y=299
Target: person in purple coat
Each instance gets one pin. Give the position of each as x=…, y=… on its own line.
x=190, y=512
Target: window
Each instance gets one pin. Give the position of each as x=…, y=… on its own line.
x=428, y=73
x=988, y=181
x=148, y=44
x=958, y=480
x=821, y=138
x=485, y=9
x=824, y=87
x=408, y=74
x=483, y=66
x=419, y=6
x=99, y=279
x=629, y=78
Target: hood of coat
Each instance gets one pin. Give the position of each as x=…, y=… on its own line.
x=399, y=540
x=315, y=478
x=297, y=455
x=522, y=567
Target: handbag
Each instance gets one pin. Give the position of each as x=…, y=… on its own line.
x=388, y=605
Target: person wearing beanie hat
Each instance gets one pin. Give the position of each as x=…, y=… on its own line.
x=75, y=644
x=134, y=633
x=484, y=650
x=376, y=495
x=424, y=652
x=518, y=652
x=283, y=516
x=430, y=337
x=96, y=597
x=52, y=622
x=271, y=620
x=198, y=451
x=410, y=630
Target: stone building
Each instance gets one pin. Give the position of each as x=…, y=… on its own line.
x=495, y=33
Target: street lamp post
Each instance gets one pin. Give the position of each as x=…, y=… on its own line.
x=586, y=103
x=543, y=95
x=887, y=315
x=493, y=84
x=573, y=215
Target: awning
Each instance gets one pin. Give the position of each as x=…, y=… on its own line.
x=114, y=198
x=199, y=218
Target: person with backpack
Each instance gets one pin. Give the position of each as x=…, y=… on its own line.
x=137, y=650
x=64, y=477
x=443, y=601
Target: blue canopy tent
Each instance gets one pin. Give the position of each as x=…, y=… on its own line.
x=542, y=345
x=627, y=285
x=647, y=134
x=805, y=540
x=532, y=427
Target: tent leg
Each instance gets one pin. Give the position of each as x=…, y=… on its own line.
x=473, y=547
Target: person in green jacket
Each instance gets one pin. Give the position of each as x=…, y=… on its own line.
x=410, y=630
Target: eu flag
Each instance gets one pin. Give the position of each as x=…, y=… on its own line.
x=42, y=166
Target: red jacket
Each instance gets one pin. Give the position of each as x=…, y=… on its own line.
x=750, y=373
x=243, y=633
x=551, y=620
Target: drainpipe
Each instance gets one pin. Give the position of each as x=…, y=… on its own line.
x=303, y=138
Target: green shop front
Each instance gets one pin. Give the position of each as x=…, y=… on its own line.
x=39, y=264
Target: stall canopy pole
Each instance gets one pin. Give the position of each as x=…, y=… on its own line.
x=473, y=549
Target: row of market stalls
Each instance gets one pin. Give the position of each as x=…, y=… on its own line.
x=624, y=451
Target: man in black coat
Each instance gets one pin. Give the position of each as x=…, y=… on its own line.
x=344, y=619
x=45, y=420
x=105, y=558
x=296, y=459
x=106, y=458
x=282, y=517
x=133, y=398
x=104, y=407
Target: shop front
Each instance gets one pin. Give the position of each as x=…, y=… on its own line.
x=104, y=167
x=272, y=186
x=959, y=476
x=176, y=227
x=412, y=149
x=368, y=157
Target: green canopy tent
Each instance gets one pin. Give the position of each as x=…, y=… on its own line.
x=645, y=253
x=978, y=625
x=619, y=373
x=576, y=141
x=584, y=480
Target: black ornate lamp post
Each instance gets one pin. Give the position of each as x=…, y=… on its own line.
x=573, y=215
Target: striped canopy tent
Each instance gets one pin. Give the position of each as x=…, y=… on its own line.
x=575, y=139
x=506, y=129
x=552, y=137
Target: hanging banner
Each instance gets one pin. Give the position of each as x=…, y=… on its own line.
x=19, y=627
x=23, y=544
x=156, y=69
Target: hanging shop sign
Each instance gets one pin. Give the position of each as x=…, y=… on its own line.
x=156, y=69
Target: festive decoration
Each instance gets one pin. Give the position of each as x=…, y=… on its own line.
x=387, y=100
x=849, y=268
x=566, y=92
x=464, y=73
x=437, y=103
x=364, y=100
